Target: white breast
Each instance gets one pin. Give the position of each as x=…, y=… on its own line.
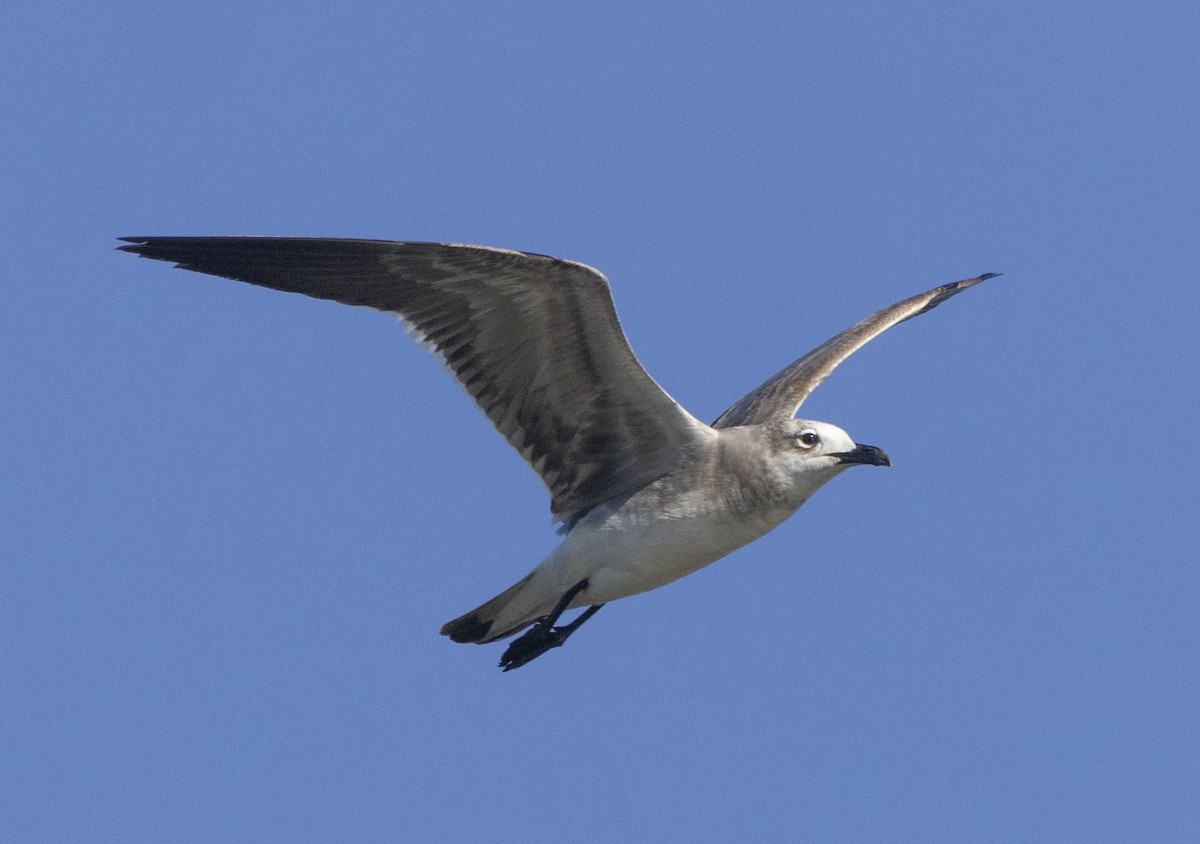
x=635, y=550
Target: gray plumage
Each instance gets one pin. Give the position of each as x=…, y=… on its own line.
x=647, y=492
x=780, y=396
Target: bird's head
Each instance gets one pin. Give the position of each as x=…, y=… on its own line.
x=810, y=453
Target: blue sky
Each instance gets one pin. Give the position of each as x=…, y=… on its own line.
x=233, y=520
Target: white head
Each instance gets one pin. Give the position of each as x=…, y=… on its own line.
x=806, y=454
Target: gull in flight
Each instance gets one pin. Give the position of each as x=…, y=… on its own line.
x=646, y=493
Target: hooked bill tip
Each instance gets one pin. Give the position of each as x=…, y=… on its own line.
x=866, y=455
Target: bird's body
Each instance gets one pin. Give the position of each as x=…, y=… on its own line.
x=731, y=492
x=647, y=493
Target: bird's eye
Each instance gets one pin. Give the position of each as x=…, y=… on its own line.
x=808, y=438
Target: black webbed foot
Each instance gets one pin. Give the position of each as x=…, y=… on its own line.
x=544, y=636
x=535, y=642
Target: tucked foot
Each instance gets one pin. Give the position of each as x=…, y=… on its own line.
x=542, y=637
x=535, y=642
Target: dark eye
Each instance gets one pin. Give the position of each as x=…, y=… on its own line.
x=808, y=438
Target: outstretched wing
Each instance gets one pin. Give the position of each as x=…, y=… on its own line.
x=781, y=396
x=534, y=340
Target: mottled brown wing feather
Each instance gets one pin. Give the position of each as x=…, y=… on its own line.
x=780, y=396
x=535, y=340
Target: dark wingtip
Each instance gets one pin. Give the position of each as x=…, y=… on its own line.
x=956, y=286
x=941, y=294
x=136, y=245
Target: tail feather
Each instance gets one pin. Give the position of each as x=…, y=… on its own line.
x=476, y=626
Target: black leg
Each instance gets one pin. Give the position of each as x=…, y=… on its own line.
x=544, y=636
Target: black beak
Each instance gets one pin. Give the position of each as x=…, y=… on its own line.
x=866, y=454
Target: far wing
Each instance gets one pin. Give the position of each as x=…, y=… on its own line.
x=781, y=395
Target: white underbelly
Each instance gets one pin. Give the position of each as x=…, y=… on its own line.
x=623, y=556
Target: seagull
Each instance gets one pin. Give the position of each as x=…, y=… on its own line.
x=645, y=492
